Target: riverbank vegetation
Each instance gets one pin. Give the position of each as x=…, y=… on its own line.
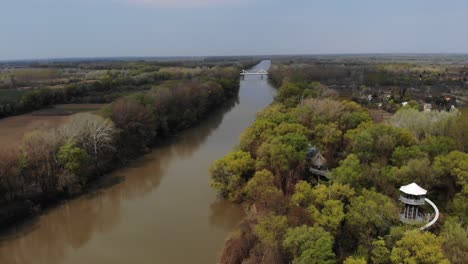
x=29, y=86
x=53, y=164
x=295, y=217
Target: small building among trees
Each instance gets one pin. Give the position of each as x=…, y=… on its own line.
x=414, y=196
x=316, y=158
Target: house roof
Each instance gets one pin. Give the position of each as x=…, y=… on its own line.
x=413, y=189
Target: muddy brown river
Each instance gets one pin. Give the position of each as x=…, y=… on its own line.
x=159, y=209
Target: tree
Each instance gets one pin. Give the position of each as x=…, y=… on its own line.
x=39, y=150
x=271, y=229
x=417, y=170
x=424, y=124
x=370, y=215
x=355, y=260
x=72, y=157
x=380, y=253
x=229, y=174
x=353, y=116
x=261, y=191
x=349, y=172
x=253, y=136
x=320, y=111
x=455, y=240
x=453, y=170
x=327, y=137
x=309, y=245
x=285, y=156
x=10, y=182
x=289, y=93
x=438, y=145
x=330, y=216
x=377, y=142
x=136, y=123
x=302, y=195
x=336, y=191
x=93, y=133
x=419, y=247
x=401, y=155
x=74, y=160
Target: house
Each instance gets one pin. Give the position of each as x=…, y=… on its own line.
x=316, y=158
x=427, y=107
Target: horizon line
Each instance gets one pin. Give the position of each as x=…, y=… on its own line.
x=130, y=57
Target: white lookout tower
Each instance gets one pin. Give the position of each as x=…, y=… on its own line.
x=413, y=196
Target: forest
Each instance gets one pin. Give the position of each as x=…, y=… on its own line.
x=49, y=165
x=354, y=217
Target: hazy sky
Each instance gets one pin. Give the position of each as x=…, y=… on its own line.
x=103, y=28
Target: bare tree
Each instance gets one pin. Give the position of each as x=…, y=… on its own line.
x=40, y=149
x=93, y=133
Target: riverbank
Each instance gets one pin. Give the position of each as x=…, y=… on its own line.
x=58, y=163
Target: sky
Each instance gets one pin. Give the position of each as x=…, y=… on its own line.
x=38, y=29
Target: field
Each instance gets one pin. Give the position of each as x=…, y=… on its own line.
x=12, y=129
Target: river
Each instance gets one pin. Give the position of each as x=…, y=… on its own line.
x=159, y=209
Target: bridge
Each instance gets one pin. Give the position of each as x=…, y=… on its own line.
x=320, y=173
x=260, y=72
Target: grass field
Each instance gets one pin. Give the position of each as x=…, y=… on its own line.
x=12, y=129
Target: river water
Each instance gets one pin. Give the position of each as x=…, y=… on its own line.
x=159, y=209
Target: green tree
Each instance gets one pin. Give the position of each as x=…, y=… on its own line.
x=261, y=190
x=289, y=93
x=377, y=142
x=453, y=170
x=370, y=215
x=254, y=135
x=302, y=194
x=380, y=253
x=327, y=136
x=417, y=170
x=336, y=191
x=455, y=240
x=285, y=156
x=271, y=229
x=401, y=155
x=436, y=146
x=349, y=172
x=355, y=260
x=229, y=174
x=330, y=216
x=419, y=247
x=73, y=158
x=309, y=245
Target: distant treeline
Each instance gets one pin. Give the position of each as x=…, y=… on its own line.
x=370, y=74
x=112, y=85
x=54, y=164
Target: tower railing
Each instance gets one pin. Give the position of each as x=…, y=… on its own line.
x=411, y=201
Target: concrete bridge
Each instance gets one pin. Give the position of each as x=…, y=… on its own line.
x=260, y=72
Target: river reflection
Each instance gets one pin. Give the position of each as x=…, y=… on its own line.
x=160, y=209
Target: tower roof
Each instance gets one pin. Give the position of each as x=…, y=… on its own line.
x=413, y=189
